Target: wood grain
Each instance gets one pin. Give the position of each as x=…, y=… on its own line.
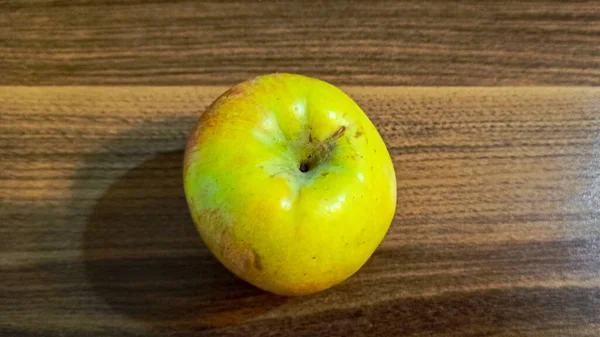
x=497, y=231
x=381, y=42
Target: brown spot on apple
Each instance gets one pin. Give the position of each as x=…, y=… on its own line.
x=210, y=117
x=207, y=217
x=308, y=287
x=257, y=263
x=358, y=134
x=240, y=257
x=190, y=147
x=236, y=90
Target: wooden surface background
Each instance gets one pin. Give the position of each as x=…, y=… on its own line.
x=346, y=42
x=497, y=231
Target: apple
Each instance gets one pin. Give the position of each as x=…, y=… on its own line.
x=289, y=183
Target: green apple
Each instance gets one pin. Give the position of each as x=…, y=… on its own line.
x=289, y=183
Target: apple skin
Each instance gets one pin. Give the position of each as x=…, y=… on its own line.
x=283, y=230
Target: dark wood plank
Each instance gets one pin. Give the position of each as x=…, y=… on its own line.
x=346, y=42
x=497, y=231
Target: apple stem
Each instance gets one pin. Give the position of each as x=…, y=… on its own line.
x=321, y=151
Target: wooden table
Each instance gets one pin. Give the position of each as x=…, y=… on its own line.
x=378, y=42
x=497, y=231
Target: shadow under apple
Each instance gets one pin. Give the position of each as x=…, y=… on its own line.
x=144, y=257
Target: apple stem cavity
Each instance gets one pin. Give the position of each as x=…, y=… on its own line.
x=320, y=152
